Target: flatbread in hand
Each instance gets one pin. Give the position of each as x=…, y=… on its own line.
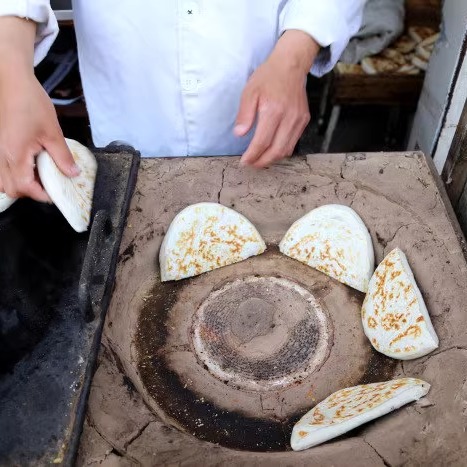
x=394, y=315
x=204, y=237
x=72, y=196
x=349, y=408
x=334, y=240
x=5, y=201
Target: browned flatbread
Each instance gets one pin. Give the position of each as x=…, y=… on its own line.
x=351, y=407
x=408, y=70
x=334, y=240
x=404, y=44
x=394, y=315
x=430, y=41
x=204, y=237
x=423, y=52
x=394, y=56
x=420, y=63
x=378, y=65
x=421, y=33
x=349, y=69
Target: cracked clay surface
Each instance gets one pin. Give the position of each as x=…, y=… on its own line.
x=399, y=200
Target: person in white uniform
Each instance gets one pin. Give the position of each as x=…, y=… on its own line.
x=171, y=78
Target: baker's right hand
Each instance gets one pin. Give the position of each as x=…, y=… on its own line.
x=28, y=124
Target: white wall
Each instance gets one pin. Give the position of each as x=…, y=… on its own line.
x=435, y=115
x=453, y=115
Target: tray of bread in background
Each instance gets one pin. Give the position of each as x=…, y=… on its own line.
x=408, y=55
x=392, y=77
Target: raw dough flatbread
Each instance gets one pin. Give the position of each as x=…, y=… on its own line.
x=349, y=408
x=334, y=240
x=204, y=237
x=394, y=315
x=5, y=201
x=72, y=196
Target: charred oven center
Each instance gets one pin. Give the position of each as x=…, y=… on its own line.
x=261, y=333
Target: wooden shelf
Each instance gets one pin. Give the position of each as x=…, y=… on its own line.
x=66, y=23
x=376, y=89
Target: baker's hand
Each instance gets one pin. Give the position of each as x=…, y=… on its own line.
x=28, y=122
x=275, y=97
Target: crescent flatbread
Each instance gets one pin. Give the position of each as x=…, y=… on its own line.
x=423, y=53
x=5, y=202
x=394, y=315
x=72, y=196
x=204, y=237
x=334, y=240
x=394, y=55
x=430, y=41
x=408, y=70
x=348, y=408
x=377, y=65
x=404, y=44
x=349, y=69
x=422, y=33
x=420, y=63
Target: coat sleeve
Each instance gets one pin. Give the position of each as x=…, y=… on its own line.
x=41, y=13
x=331, y=23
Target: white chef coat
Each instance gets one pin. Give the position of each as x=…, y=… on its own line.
x=166, y=76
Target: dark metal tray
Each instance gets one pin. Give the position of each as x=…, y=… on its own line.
x=55, y=289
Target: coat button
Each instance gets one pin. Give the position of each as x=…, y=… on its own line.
x=191, y=10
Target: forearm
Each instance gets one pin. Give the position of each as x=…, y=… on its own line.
x=296, y=50
x=331, y=23
x=16, y=47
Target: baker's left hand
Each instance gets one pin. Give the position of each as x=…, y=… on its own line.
x=275, y=97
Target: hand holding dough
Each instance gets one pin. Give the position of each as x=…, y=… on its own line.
x=72, y=196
